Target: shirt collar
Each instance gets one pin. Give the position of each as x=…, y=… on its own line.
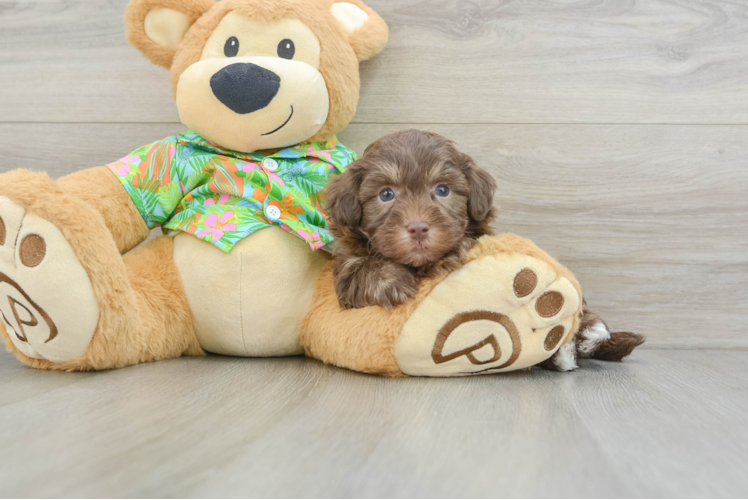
x=313, y=150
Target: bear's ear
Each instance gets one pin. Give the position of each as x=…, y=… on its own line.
x=367, y=32
x=157, y=27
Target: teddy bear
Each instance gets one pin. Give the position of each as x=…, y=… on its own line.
x=244, y=270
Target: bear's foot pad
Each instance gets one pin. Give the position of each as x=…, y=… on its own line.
x=47, y=303
x=498, y=313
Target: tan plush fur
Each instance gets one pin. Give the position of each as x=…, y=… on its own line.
x=339, y=57
x=166, y=326
x=135, y=15
x=365, y=339
x=104, y=193
x=371, y=38
x=136, y=321
x=360, y=339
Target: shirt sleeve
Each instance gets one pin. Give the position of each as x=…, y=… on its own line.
x=146, y=175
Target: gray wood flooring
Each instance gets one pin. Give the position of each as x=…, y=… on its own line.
x=660, y=424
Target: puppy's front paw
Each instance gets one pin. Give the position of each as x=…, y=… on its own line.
x=376, y=283
x=395, y=288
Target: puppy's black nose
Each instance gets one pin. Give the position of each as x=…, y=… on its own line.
x=245, y=87
x=418, y=230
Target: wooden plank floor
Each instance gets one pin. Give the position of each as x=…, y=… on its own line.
x=661, y=424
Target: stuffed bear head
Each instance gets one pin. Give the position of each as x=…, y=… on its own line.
x=254, y=75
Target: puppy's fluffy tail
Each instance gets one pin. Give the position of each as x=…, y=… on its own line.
x=593, y=340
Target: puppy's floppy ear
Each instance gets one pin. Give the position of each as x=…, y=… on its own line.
x=343, y=206
x=156, y=27
x=482, y=189
x=367, y=32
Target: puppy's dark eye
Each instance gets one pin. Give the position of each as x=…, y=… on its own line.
x=286, y=49
x=387, y=195
x=231, y=49
x=442, y=190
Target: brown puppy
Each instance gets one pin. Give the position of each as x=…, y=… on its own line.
x=410, y=208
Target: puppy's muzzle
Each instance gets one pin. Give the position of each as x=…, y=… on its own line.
x=418, y=231
x=245, y=87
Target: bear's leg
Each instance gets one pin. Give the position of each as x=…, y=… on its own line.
x=68, y=300
x=362, y=339
x=509, y=307
x=165, y=327
x=102, y=191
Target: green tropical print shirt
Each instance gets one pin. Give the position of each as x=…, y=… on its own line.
x=188, y=184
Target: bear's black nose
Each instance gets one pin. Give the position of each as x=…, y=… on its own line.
x=245, y=87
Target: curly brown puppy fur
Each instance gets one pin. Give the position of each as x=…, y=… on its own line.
x=410, y=208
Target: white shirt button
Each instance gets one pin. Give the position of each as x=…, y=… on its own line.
x=272, y=212
x=270, y=164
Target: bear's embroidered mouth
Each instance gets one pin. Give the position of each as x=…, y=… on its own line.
x=284, y=123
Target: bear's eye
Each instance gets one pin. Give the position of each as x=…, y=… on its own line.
x=387, y=195
x=231, y=49
x=286, y=49
x=442, y=190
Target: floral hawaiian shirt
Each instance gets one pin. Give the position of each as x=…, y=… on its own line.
x=188, y=184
